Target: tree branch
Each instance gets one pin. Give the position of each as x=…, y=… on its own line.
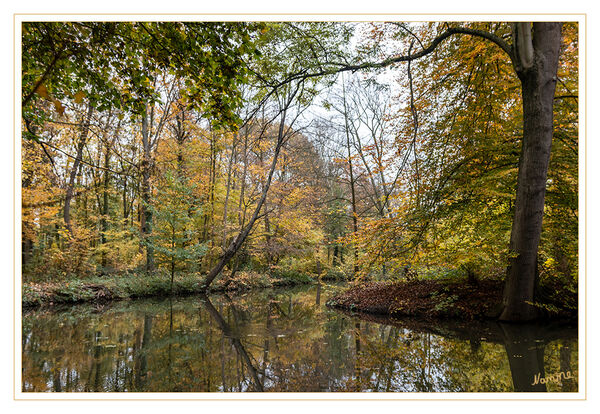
x=338, y=67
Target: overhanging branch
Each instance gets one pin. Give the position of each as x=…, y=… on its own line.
x=337, y=67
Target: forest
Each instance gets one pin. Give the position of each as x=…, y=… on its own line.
x=191, y=157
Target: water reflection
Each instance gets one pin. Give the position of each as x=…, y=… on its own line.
x=282, y=340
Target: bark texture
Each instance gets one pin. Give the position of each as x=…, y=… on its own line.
x=538, y=83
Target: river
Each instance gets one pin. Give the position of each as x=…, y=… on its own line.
x=283, y=340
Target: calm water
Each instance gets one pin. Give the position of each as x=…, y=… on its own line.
x=281, y=340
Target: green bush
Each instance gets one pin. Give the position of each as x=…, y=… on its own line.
x=117, y=286
x=335, y=273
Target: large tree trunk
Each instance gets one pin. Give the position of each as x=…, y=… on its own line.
x=538, y=81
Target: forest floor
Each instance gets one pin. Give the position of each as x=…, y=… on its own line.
x=431, y=299
x=117, y=287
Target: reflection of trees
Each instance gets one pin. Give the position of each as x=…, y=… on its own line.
x=141, y=366
x=525, y=356
x=568, y=385
x=279, y=342
x=430, y=366
x=125, y=350
x=235, y=341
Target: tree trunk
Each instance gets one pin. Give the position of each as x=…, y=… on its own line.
x=352, y=189
x=172, y=257
x=146, y=213
x=104, y=220
x=241, y=237
x=336, y=256
x=226, y=202
x=268, y=248
x=538, y=83
x=242, y=211
x=354, y=213
x=26, y=249
x=125, y=202
x=80, y=145
x=209, y=214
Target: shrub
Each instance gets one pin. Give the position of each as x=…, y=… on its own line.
x=335, y=273
x=290, y=276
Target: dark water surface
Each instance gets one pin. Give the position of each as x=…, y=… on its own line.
x=283, y=340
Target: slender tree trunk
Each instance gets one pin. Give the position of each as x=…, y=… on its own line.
x=125, y=203
x=352, y=189
x=104, y=220
x=146, y=212
x=242, y=211
x=226, y=203
x=85, y=208
x=208, y=216
x=269, y=255
x=213, y=194
x=267, y=223
x=79, y=184
x=538, y=82
x=27, y=249
x=180, y=136
x=241, y=237
x=70, y=185
x=172, y=257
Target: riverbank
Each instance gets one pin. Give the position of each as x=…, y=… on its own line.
x=119, y=287
x=431, y=299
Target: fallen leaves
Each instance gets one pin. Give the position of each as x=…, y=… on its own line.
x=426, y=298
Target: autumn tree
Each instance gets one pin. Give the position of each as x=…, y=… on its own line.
x=177, y=213
x=534, y=54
